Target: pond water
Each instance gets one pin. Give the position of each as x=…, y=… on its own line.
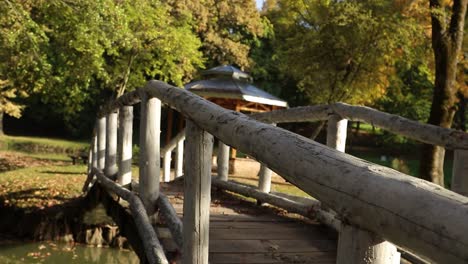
x=48, y=252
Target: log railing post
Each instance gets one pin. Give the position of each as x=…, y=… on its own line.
x=101, y=143
x=197, y=188
x=222, y=161
x=124, y=175
x=460, y=172
x=264, y=177
x=92, y=156
x=111, y=145
x=179, y=158
x=358, y=246
x=336, y=132
x=264, y=181
x=167, y=166
x=150, y=123
x=354, y=244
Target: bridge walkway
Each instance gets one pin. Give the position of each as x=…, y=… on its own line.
x=243, y=232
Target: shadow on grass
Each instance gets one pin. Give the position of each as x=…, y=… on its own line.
x=62, y=172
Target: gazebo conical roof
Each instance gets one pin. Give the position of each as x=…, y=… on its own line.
x=231, y=83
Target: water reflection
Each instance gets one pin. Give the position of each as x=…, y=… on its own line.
x=49, y=252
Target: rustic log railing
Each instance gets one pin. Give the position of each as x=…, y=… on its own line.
x=376, y=204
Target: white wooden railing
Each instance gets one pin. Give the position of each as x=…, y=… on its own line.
x=375, y=204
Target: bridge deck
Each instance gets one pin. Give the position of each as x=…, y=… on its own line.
x=242, y=232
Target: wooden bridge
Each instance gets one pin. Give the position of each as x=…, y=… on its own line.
x=366, y=210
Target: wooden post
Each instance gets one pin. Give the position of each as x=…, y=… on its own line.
x=460, y=172
x=150, y=131
x=264, y=175
x=111, y=145
x=92, y=154
x=94, y=161
x=167, y=166
x=179, y=162
x=264, y=181
x=354, y=244
x=125, y=145
x=357, y=246
x=223, y=161
x=197, y=196
x=101, y=139
x=336, y=132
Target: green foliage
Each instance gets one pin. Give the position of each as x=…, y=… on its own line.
x=76, y=54
x=227, y=28
x=23, y=62
x=341, y=50
x=409, y=93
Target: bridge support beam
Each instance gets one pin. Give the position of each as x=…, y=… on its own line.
x=150, y=129
x=197, y=193
x=124, y=175
x=223, y=161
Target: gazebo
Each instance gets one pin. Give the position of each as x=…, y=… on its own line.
x=232, y=89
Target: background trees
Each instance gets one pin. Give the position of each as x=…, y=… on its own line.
x=341, y=50
x=70, y=56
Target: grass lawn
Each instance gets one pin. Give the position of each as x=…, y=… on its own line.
x=36, y=173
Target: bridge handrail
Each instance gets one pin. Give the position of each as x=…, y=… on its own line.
x=431, y=221
x=427, y=133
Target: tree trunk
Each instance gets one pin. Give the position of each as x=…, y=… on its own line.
x=1, y=124
x=446, y=44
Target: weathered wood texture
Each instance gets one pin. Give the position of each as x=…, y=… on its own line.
x=101, y=139
x=336, y=132
x=222, y=161
x=460, y=172
x=426, y=133
x=264, y=179
x=243, y=233
x=356, y=246
x=171, y=219
x=352, y=187
x=150, y=123
x=153, y=249
x=287, y=204
x=110, y=168
x=125, y=145
x=197, y=189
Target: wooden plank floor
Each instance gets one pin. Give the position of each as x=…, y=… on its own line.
x=242, y=232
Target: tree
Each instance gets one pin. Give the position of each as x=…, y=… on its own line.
x=227, y=28
x=341, y=50
x=23, y=64
x=447, y=21
x=76, y=54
